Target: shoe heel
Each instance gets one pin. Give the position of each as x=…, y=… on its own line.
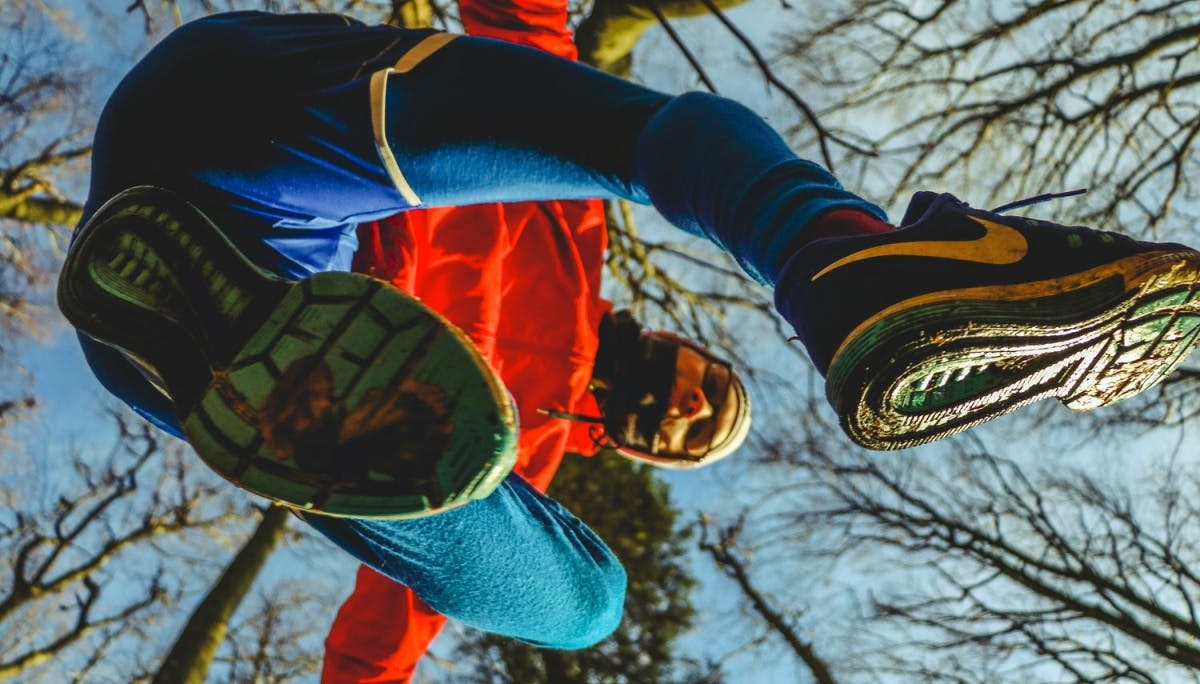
x=151, y=275
x=1119, y=330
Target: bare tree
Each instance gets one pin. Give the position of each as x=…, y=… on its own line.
x=38, y=132
x=721, y=546
x=969, y=563
x=41, y=144
x=1053, y=570
x=274, y=642
x=611, y=30
x=192, y=654
x=1016, y=99
x=85, y=576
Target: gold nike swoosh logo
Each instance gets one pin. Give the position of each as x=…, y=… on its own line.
x=999, y=245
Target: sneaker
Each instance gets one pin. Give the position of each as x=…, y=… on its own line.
x=963, y=315
x=336, y=394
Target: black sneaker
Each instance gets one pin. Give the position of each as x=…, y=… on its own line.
x=963, y=315
x=337, y=394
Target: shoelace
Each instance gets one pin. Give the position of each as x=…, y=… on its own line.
x=1105, y=234
x=1029, y=201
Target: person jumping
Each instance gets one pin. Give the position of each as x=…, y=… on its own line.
x=209, y=282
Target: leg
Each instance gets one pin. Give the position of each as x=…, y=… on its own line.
x=556, y=129
x=915, y=346
x=278, y=145
x=515, y=563
x=741, y=187
x=330, y=393
x=297, y=161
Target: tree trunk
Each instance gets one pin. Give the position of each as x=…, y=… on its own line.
x=556, y=666
x=192, y=654
x=413, y=14
x=37, y=210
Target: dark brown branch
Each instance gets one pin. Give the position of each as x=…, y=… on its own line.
x=683, y=48
x=734, y=568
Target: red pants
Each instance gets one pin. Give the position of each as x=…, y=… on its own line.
x=402, y=624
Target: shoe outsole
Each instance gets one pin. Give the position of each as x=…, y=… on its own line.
x=933, y=366
x=337, y=394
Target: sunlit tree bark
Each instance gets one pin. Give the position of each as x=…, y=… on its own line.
x=609, y=33
x=40, y=146
x=37, y=87
x=192, y=654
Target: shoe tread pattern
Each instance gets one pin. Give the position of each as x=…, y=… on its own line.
x=337, y=394
x=1107, y=336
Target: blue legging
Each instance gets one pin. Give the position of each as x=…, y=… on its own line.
x=555, y=129
x=263, y=121
x=516, y=563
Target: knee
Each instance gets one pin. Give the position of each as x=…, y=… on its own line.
x=595, y=611
x=560, y=610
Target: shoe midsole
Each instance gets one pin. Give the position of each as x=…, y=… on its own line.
x=1058, y=337
x=1129, y=269
x=178, y=298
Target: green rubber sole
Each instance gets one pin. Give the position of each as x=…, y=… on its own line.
x=337, y=394
x=353, y=400
x=928, y=370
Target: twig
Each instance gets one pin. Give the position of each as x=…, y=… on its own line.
x=691, y=58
